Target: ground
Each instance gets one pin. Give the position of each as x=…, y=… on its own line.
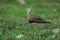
x=13, y=20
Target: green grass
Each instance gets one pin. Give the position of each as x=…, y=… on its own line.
x=13, y=20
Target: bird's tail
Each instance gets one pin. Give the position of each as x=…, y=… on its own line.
x=43, y=22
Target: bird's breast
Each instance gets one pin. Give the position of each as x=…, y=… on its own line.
x=30, y=19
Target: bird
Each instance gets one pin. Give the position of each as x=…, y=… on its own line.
x=32, y=18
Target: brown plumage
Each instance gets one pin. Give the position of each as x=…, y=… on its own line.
x=34, y=18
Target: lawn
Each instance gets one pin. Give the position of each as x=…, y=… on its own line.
x=13, y=20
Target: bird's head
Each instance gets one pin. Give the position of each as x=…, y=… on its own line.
x=29, y=10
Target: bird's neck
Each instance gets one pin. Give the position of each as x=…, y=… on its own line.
x=29, y=13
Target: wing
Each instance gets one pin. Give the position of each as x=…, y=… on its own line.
x=37, y=17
